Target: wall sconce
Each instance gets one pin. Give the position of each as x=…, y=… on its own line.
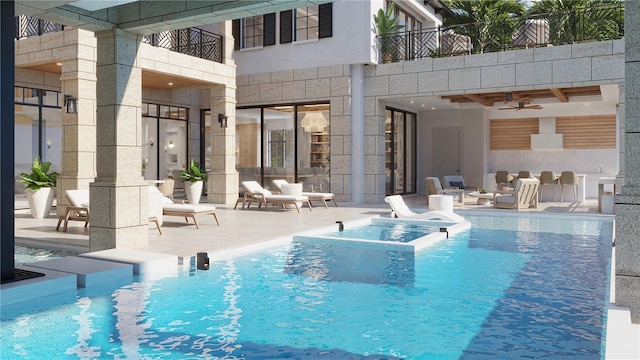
x=222, y=120
x=70, y=104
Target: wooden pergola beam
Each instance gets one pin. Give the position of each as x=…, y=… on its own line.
x=478, y=99
x=559, y=94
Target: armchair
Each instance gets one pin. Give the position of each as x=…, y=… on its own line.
x=524, y=195
x=434, y=187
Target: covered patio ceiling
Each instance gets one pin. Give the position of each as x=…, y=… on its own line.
x=562, y=95
x=545, y=96
x=150, y=79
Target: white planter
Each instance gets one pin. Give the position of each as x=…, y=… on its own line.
x=193, y=190
x=40, y=201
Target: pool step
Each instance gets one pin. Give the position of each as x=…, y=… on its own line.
x=53, y=282
x=148, y=265
x=88, y=271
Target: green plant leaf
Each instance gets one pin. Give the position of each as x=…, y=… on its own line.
x=40, y=176
x=193, y=173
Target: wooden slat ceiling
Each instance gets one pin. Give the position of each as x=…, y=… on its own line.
x=150, y=79
x=499, y=98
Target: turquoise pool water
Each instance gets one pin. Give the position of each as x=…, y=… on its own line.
x=509, y=288
x=401, y=232
x=29, y=255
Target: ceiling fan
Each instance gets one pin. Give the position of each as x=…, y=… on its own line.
x=510, y=97
x=521, y=106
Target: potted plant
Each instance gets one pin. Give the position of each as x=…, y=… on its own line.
x=386, y=26
x=39, y=187
x=193, y=177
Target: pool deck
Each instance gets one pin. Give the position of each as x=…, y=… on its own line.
x=253, y=228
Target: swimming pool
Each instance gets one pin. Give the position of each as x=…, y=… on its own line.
x=400, y=231
x=510, y=287
x=29, y=255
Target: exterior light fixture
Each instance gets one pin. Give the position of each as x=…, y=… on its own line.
x=70, y=103
x=171, y=144
x=222, y=120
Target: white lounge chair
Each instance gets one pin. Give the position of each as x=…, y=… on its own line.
x=174, y=208
x=254, y=192
x=79, y=211
x=402, y=211
x=313, y=196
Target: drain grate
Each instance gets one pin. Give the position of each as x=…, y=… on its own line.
x=21, y=274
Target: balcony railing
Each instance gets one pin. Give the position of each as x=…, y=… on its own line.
x=558, y=28
x=192, y=41
x=30, y=26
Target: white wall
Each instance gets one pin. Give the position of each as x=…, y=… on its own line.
x=351, y=43
x=473, y=141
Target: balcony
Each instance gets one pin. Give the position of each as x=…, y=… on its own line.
x=559, y=28
x=27, y=26
x=191, y=41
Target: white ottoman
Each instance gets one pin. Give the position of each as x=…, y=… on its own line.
x=441, y=202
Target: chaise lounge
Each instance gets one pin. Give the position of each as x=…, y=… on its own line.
x=402, y=211
x=254, y=192
x=178, y=208
x=79, y=210
x=313, y=196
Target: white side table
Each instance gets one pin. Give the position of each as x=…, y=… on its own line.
x=604, y=201
x=483, y=199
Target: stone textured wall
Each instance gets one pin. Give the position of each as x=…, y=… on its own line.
x=627, y=204
x=308, y=85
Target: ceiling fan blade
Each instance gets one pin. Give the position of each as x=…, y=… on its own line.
x=508, y=108
x=535, y=107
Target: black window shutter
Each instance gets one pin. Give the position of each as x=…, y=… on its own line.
x=269, y=21
x=286, y=26
x=235, y=31
x=325, y=21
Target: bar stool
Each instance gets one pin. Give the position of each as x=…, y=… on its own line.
x=548, y=178
x=503, y=178
x=569, y=178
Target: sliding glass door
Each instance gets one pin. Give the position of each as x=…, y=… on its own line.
x=400, y=150
x=288, y=142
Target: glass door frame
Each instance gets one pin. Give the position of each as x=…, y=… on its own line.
x=410, y=133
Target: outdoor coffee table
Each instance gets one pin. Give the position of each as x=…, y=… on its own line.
x=483, y=199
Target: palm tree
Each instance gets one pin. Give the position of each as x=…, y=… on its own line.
x=485, y=21
x=386, y=26
x=578, y=20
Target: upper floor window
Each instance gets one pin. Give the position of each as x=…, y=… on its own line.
x=313, y=22
x=406, y=19
x=252, y=31
x=306, y=23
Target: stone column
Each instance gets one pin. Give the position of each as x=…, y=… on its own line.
x=119, y=196
x=78, y=130
x=357, y=133
x=222, y=187
x=627, y=208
